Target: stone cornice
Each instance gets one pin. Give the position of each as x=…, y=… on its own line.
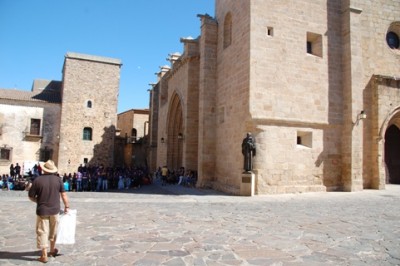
x=93, y=58
x=180, y=63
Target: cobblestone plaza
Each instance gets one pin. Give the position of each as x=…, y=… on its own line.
x=174, y=225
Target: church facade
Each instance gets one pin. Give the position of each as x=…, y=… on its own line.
x=316, y=83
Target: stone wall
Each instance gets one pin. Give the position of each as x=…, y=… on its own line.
x=298, y=78
x=88, y=79
x=15, y=119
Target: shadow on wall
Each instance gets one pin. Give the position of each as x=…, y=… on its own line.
x=103, y=153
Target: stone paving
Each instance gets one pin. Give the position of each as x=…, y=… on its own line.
x=172, y=225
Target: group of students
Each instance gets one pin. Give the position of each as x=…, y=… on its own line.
x=14, y=180
x=179, y=177
x=102, y=178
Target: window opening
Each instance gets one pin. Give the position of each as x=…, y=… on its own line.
x=314, y=44
x=392, y=40
x=133, y=135
x=270, y=31
x=45, y=154
x=227, y=30
x=5, y=154
x=304, y=139
x=35, y=127
x=89, y=104
x=87, y=133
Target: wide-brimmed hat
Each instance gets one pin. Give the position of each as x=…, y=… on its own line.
x=48, y=167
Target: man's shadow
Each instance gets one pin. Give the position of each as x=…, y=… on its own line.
x=27, y=255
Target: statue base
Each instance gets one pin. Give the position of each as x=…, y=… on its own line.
x=247, y=185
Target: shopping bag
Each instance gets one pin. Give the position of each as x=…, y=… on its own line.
x=66, y=228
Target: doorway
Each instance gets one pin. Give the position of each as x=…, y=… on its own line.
x=392, y=154
x=175, y=133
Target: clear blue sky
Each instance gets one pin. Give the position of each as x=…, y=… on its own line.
x=35, y=35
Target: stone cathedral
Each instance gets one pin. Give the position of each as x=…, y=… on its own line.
x=316, y=83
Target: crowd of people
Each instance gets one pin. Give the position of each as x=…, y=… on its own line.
x=15, y=179
x=86, y=178
x=100, y=178
x=179, y=177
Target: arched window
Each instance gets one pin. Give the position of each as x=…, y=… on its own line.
x=87, y=133
x=227, y=30
x=89, y=104
x=134, y=134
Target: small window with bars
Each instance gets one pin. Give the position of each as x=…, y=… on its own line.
x=5, y=154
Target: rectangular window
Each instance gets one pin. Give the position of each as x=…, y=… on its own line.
x=87, y=133
x=314, y=44
x=304, y=138
x=45, y=154
x=35, y=127
x=270, y=31
x=5, y=154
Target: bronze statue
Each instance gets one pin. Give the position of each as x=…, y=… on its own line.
x=248, y=151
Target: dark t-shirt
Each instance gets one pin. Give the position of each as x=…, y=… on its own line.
x=46, y=189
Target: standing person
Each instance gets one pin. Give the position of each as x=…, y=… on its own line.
x=45, y=192
x=78, y=181
x=17, y=170
x=12, y=171
x=164, y=175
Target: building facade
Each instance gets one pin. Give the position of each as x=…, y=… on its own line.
x=72, y=121
x=316, y=82
x=133, y=127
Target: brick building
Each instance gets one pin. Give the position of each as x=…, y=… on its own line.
x=316, y=82
x=72, y=121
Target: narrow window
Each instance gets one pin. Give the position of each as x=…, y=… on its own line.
x=87, y=133
x=221, y=115
x=5, y=154
x=133, y=135
x=309, y=47
x=227, y=30
x=89, y=104
x=35, y=127
x=270, y=31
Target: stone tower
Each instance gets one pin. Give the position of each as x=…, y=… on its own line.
x=89, y=111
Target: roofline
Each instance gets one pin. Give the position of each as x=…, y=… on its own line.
x=138, y=111
x=93, y=58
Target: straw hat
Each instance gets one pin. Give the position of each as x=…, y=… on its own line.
x=48, y=167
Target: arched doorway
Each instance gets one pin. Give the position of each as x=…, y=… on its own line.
x=175, y=134
x=392, y=154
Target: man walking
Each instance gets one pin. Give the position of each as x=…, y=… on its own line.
x=45, y=192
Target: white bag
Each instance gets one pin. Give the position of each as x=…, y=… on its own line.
x=66, y=228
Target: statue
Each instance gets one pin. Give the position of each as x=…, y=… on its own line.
x=248, y=151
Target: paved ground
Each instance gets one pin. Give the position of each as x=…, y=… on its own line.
x=172, y=225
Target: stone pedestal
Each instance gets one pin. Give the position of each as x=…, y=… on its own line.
x=248, y=184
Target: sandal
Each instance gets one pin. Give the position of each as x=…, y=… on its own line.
x=42, y=259
x=55, y=253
